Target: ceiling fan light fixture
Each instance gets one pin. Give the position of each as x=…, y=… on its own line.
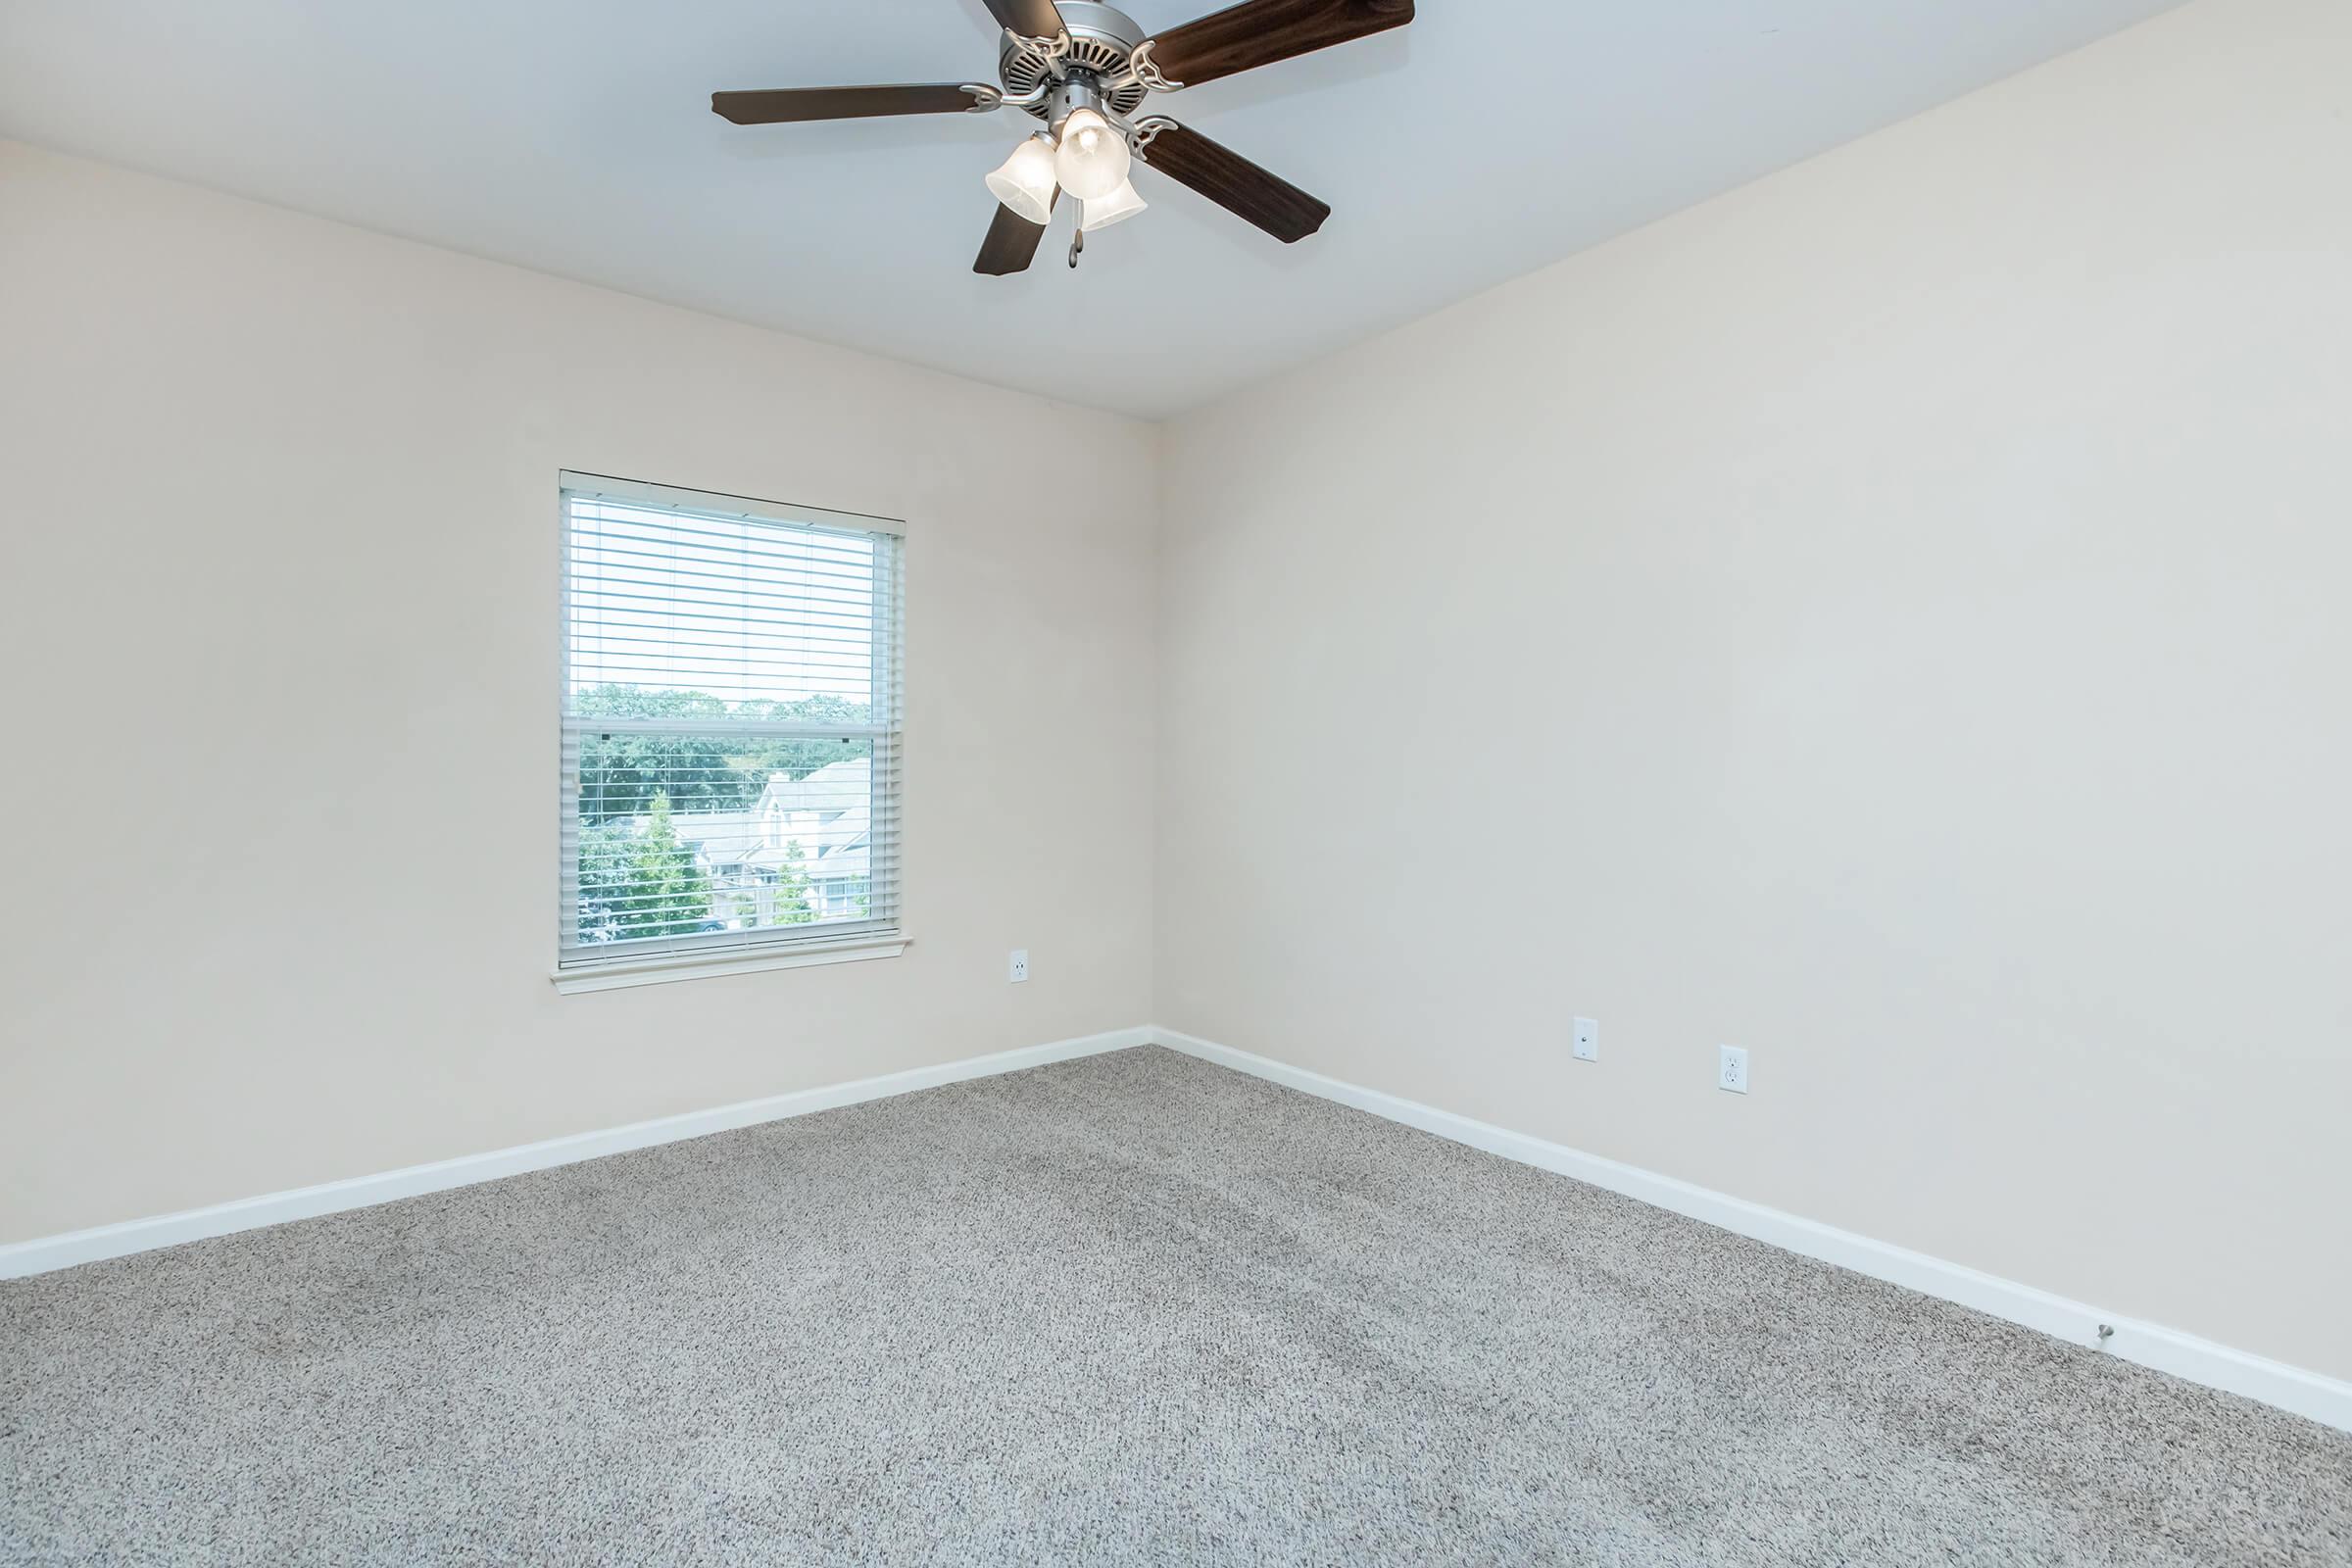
x=1118, y=207
x=1025, y=180
x=1092, y=161
x=1085, y=69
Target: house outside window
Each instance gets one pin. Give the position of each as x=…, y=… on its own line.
x=730, y=725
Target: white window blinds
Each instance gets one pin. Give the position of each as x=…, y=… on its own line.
x=730, y=723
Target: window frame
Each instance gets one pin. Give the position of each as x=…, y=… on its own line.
x=593, y=965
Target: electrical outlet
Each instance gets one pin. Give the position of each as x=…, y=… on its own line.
x=1730, y=1068
x=1587, y=1040
x=1020, y=966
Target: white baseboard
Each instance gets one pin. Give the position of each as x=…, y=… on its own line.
x=2185, y=1355
x=43, y=1254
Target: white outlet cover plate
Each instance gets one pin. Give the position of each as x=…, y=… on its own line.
x=1730, y=1068
x=1587, y=1040
x=1019, y=969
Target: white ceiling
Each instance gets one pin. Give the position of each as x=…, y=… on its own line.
x=1486, y=139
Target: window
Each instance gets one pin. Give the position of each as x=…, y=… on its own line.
x=730, y=725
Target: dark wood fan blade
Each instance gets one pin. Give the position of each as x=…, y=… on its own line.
x=1031, y=18
x=1012, y=242
x=778, y=105
x=1259, y=32
x=1235, y=184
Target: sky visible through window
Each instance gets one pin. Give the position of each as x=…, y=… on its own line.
x=737, y=611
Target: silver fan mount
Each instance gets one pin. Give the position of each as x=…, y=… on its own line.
x=1100, y=46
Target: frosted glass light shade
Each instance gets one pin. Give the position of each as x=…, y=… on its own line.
x=1104, y=211
x=1024, y=181
x=1092, y=161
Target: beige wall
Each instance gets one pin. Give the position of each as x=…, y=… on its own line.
x=277, y=627
x=1897, y=618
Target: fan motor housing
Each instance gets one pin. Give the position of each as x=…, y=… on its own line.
x=1102, y=40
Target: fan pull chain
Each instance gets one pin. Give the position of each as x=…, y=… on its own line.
x=1077, y=244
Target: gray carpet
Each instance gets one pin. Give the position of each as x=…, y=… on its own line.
x=1133, y=1308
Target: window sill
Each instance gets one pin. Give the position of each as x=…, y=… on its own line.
x=693, y=967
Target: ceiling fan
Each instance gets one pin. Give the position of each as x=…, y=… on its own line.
x=1085, y=69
